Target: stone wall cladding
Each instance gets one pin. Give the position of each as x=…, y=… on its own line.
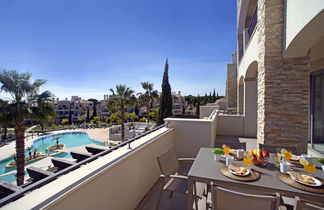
x=231, y=86
x=283, y=84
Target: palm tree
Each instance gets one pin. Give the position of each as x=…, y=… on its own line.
x=21, y=89
x=148, y=96
x=122, y=97
x=5, y=120
x=44, y=111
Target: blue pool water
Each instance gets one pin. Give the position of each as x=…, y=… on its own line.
x=73, y=139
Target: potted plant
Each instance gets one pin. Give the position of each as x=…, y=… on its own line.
x=217, y=153
x=321, y=160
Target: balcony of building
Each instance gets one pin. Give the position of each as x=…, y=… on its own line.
x=131, y=172
x=247, y=21
x=127, y=176
x=302, y=31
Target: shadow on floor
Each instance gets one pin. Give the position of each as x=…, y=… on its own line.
x=178, y=200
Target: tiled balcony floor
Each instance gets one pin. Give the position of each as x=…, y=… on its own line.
x=178, y=200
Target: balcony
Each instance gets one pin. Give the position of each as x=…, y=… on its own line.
x=247, y=25
x=252, y=24
x=126, y=177
x=131, y=172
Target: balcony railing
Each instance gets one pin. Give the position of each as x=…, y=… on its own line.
x=241, y=52
x=253, y=23
x=38, y=184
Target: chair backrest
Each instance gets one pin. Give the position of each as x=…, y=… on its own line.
x=168, y=162
x=225, y=199
x=232, y=145
x=273, y=148
x=305, y=205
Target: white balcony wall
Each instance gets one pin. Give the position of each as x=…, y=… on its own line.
x=118, y=185
x=230, y=125
x=191, y=134
x=250, y=55
x=205, y=111
x=299, y=13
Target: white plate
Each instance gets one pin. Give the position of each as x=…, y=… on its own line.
x=295, y=158
x=317, y=182
x=233, y=172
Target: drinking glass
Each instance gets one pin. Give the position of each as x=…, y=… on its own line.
x=310, y=169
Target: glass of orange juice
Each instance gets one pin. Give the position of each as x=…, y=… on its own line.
x=226, y=150
x=247, y=160
x=310, y=168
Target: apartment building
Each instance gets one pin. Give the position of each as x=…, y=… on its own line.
x=77, y=107
x=178, y=104
x=276, y=78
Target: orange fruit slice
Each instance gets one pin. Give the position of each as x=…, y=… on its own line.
x=288, y=155
x=227, y=150
x=283, y=151
x=250, y=157
x=303, y=161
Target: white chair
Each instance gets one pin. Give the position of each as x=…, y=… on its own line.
x=225, y=199
x=306, y=205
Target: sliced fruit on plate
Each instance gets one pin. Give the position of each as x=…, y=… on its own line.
x=305, y=179
x=238, y=170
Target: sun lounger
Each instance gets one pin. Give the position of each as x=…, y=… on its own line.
x=94, y=150
x=61, y=163
x=80, y=156
x=38, y=174
x=7, y=188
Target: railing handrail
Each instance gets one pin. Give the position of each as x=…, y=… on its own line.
x=253, y=23
x=215, y=112
x=42, y=182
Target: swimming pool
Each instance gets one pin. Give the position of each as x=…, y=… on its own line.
x=70, y=139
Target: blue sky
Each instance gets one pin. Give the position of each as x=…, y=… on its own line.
x=86, y=47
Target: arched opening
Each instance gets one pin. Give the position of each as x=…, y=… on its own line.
x=240, y=96
x=250, y=100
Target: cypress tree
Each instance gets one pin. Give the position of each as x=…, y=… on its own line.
x=206, y=99
x=198, y=106
x=136, y=109
x=94, y=111
x=214, y=97
x=210, y=97
x=88, y=116
x=217, y=96
x=166, y=98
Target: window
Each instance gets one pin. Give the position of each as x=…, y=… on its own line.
x=317, y=110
